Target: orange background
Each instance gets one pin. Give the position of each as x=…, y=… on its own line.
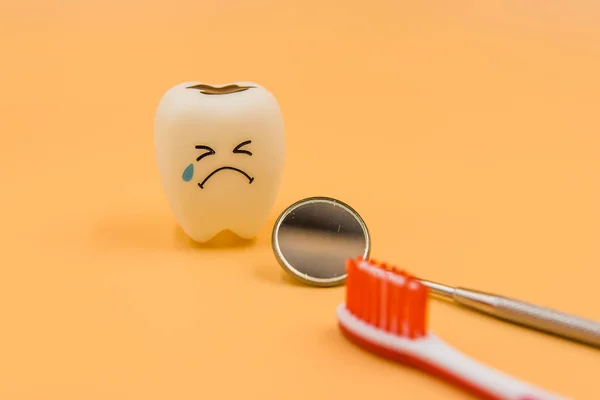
x=465, y=133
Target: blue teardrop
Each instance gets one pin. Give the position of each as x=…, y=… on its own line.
x=188, y=173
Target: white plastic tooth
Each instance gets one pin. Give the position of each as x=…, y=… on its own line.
x=220, y=117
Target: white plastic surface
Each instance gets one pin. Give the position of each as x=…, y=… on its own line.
x=237, y=199
x=436, y=352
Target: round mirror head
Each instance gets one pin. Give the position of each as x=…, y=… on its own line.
x=313, y=238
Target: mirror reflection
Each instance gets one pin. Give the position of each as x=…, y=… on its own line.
x=313, y=238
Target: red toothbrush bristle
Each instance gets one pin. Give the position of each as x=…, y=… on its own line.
x=374, y=300
x=386, y=297
x=394, y=304
x=403, y=304
x=421, y=323
x=413, y=308
x=369, y=298
x=361, y=292
x=384, y=309
x=349, y=281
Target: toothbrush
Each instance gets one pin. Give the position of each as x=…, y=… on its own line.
x=385, y=312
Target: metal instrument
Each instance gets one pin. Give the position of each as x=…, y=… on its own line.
x=519, y=312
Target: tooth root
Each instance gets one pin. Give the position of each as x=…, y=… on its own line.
x=236, y=133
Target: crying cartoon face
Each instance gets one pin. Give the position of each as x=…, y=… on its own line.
x=207, y=151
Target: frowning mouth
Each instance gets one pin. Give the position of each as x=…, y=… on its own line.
x=250, y=179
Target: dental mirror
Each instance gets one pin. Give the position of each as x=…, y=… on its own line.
x=313, y=238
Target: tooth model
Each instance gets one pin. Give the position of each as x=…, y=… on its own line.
x=220, y=153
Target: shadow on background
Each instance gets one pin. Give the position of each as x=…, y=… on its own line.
x=272, y=273
x=152, y=232
x=224, y=240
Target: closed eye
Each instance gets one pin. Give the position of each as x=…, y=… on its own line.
x=208, y=152
x=237, y=148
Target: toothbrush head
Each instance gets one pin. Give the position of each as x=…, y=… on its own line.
x=386, y=298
